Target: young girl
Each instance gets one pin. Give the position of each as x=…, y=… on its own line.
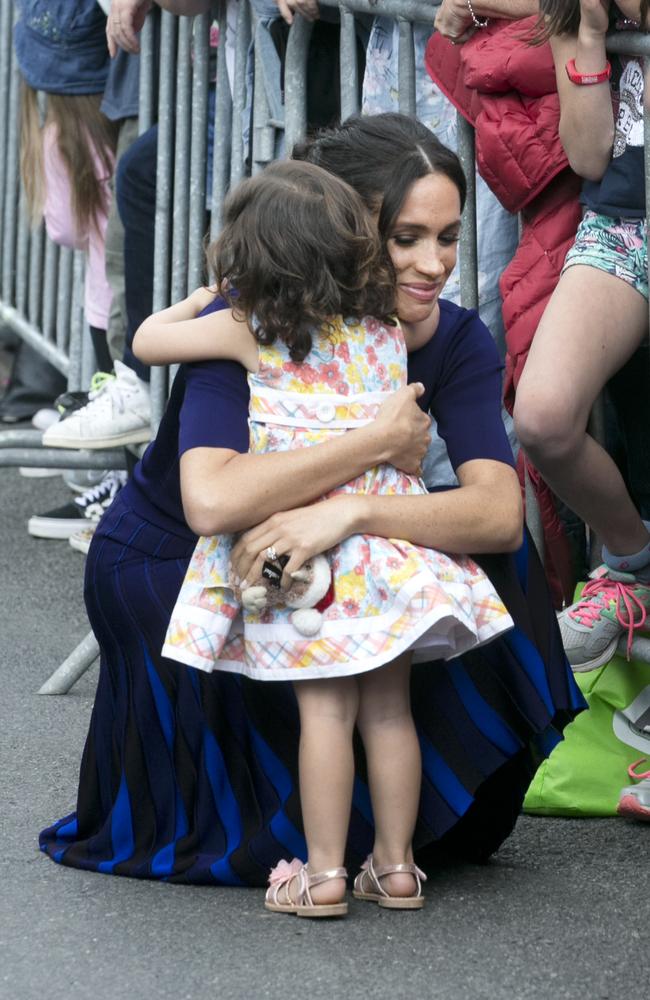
x=597, y=317
x=68, y=154
x=301, y=251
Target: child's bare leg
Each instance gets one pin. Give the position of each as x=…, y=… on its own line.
x=394, y=766
x=593, y=323
x=328, y=711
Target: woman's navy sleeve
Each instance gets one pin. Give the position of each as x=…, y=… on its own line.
x=214, y=413
x=467, y=400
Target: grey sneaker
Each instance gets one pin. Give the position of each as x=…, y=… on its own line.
x=80, y=480
x=634, y=801
x=611, y=603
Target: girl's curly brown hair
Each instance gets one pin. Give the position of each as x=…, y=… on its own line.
x=298, y=248
x=562, y=17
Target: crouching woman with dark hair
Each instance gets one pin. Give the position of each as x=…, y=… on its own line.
x=192, y=777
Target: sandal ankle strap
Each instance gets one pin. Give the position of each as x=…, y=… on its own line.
x=407, y=868
x=376, y=873
x=319, y=877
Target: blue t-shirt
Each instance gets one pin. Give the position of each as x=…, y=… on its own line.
x=620, y=192
x=460, y=368
x=122, y=92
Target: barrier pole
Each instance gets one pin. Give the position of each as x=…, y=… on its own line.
x=198, y=153
x=242, y=43
x=406, y=67
x=222, y=127
x=49, y=291
x=295, y=83
x=183, y=120
x=349, y=67
x=11, y=186
x=36, y=260
x=164, y=189
x=263, y=138
x=468, y=249
x=146, y=102
x=73, y=667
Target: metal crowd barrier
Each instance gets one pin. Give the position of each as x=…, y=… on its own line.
x=40, y=289
x=41, y=284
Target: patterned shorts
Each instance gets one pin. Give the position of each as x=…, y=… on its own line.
x=618, y=246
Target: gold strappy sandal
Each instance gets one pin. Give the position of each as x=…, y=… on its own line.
x=367, y=885
x=278, y=898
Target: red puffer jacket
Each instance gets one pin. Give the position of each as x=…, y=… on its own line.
x=506, y=88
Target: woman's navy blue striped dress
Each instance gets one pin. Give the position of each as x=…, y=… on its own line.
x=190, y=777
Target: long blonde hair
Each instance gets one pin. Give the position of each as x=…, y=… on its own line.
x=83, y=133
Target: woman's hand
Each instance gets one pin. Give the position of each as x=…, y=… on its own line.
x=405, y=429
x=124, y=23
x=454, y=21
x=308, y=8
x=594, y=17
x=300, y=534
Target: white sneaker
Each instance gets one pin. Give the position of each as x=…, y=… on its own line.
x=44, y=418
x=118, y=413
x=81, y=539
x=38, y=472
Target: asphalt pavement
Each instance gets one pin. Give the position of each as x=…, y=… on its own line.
x=563, y=911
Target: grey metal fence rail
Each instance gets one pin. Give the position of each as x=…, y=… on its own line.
x=40, y=284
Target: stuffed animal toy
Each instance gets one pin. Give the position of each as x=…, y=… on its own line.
x=310, y=593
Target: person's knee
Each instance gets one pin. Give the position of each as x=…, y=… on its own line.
x=545, y=427
x=335, y=701
x=385, y=708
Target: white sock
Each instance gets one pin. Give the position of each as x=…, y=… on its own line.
x=631, y=563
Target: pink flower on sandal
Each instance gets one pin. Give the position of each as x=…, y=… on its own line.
x=284, y=870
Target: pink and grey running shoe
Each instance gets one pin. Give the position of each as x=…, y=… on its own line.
x=634, y=801
x=611, y=604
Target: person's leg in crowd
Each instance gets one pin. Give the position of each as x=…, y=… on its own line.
x=100, y=346
x=592, y=325
x=628, y=394
x=135, y=189
x=114, y=246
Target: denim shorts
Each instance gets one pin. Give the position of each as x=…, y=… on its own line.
x=618, y=246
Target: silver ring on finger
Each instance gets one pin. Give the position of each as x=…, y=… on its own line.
x=271, y=554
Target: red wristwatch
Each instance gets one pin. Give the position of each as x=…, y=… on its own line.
x=587, y=79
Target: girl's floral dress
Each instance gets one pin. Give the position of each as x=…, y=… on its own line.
x=389, y=595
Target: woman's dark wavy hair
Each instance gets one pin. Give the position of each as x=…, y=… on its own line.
x=300, y=247
x=381, y=157
x=562, y=17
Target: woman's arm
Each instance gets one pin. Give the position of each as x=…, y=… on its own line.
x=226, y=491
x=483, y=515
x=179, y=335
x=454, y=19
x=586, y=115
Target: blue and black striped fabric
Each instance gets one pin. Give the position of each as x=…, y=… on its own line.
x=192, y=778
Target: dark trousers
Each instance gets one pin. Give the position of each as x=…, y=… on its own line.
x=135, y=190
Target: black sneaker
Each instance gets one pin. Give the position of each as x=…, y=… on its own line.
x=80, y=512
x=70, y=401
